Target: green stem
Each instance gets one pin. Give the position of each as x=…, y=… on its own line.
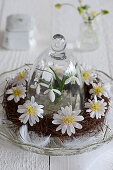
x=80, y=2
x=96, y=16
x=85, y=18
x=44, y=70
x=105, y=74
x=15, y=69
x=67, y=4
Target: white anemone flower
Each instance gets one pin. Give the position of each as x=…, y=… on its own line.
x=88, y=74
x=96, y=108
x=16, y=93
x=72, y=73
x=67, y=120
x=52, y=92
x=99, y=90
x=21, y=78
x=31, y=111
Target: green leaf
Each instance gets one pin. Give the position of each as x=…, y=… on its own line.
x=76, y=65
x=104, y=12
x=63, y=83
x=80, y=10
x=58, y=6
x=85, y=7
x=57, y=78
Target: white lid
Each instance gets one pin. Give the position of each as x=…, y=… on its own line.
x=20, y=22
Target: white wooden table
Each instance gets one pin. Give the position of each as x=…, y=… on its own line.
x=49, y=21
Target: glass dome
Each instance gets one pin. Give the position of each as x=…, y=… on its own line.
x=55, y=79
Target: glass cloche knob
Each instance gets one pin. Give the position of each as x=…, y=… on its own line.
x=58, y=46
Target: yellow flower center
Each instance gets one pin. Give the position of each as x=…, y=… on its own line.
x=17, y=92
x=68, y=119
x=97, y=89
x=58, y=70
x=21, y=76
x=30, y=110
x=58, y=6
x=94, y=13
x=86, y=75
x=95, y=107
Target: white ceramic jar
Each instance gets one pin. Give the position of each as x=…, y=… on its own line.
x=20, y=32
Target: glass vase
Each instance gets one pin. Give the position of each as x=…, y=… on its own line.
x=88, y=37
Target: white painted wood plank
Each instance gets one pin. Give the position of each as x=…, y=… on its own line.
x=43, y=23
x=108, y=31
x=1, y=9
x=2, y=3
x=30, y=56
x=35, y=8
x=68, y=21
x=99, y=59
x=11, y=156
x=58, y=163
x=14, y=158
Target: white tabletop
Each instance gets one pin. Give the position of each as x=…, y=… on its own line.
x=50, y=21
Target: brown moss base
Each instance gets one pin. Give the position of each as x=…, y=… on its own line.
x=45, y=126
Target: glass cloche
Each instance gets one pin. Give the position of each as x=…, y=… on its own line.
x=55, y=79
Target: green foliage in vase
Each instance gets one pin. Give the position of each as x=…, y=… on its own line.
x=60, y=83
x=84, y=10
x=55, y=80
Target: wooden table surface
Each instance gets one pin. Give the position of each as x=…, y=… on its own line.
x=50, y=21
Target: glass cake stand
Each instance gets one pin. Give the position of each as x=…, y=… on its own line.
x=56, y=146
